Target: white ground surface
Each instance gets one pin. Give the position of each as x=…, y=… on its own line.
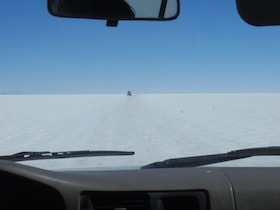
x=155, y=126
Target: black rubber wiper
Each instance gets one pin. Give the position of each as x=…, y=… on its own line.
x=217, y=158
x=24, y=156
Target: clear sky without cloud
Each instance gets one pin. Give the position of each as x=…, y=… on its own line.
x=209, y=48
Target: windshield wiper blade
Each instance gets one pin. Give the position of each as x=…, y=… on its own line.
x=216, y=158
x=24, y=156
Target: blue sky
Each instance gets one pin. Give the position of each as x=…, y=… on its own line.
x=207, y=49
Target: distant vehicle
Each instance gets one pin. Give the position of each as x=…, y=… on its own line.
x=129, y=93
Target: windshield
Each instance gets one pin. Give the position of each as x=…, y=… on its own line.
x=204, y=83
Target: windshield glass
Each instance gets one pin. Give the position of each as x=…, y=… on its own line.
x=204, y=83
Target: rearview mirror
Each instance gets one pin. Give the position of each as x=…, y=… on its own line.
x=115, y=9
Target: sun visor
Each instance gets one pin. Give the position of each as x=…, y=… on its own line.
x=259, y=12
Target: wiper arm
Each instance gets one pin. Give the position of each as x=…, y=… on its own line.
x=24, y=156
x=216, y=158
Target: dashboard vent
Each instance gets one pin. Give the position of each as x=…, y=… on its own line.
x=184, y=200
x=120, y=201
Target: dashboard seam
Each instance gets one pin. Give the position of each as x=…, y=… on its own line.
x=231, y=189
